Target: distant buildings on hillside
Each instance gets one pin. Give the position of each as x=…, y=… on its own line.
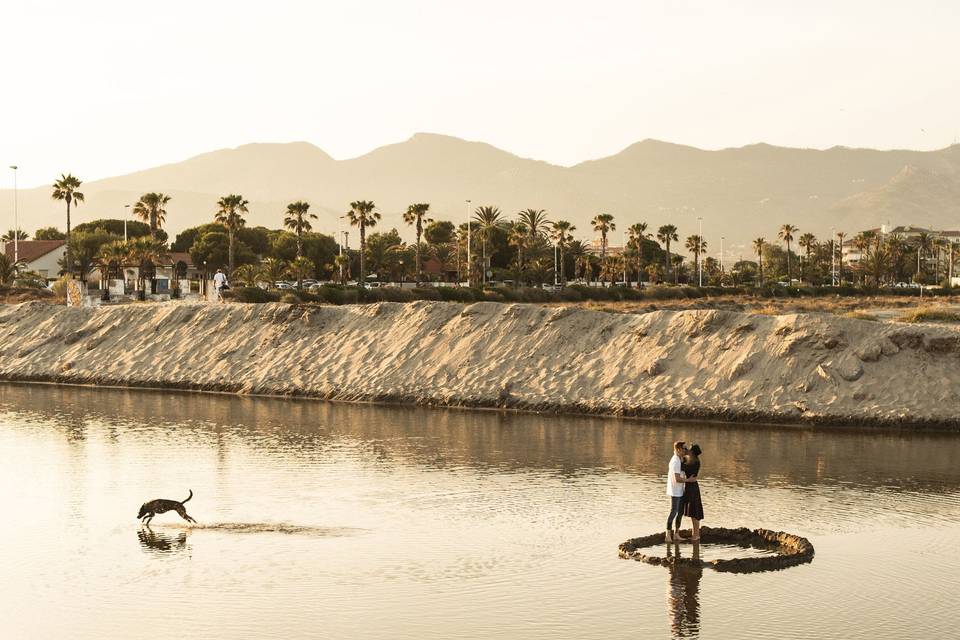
x=909, y=233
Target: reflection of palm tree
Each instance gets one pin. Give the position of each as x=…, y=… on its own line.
x=684, y=594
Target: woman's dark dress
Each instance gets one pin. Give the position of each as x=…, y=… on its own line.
x=692, y=505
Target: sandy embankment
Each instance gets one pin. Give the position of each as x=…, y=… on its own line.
x=711, y=364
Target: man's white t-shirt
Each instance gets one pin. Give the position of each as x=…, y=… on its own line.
x=674, y=488
x=219, y=280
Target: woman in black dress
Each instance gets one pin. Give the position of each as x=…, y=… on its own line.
x=692, y=505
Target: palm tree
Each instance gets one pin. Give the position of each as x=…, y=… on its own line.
x=576, y=250
x=19, y=234
x=297, y=220
x=445, y=255
x=151, y=208
x=111, y=258
x=66, y=189
x=301, y=267
x=362, y=215
x=518, y=237
x=786, y=234
x=488, y=218
x=808, y=242
x=415, y=215
x=603, y=223
x=667, y=234
x=923, y=241
x=638, y=234
x=146, y=253
x=9, y=270
x=758, y=247
x=535, y=220
x=272, y=270
x=561, y=234
x=696, y=245
x=229, y=215
x=840, y=236
x=247, y=274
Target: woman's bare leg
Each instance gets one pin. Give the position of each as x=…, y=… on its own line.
x=696, y=529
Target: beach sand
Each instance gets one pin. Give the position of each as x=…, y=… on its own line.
x=797, y=368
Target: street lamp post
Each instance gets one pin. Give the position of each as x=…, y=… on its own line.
x=401, y=274
x=16, y=221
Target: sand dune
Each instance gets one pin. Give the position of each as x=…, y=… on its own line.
x=715, y=364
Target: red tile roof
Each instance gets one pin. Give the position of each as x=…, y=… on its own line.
x=31, y=250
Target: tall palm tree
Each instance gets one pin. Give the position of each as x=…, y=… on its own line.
x=696, y=245
x=535, y=220
x=301, y=267
x=576, y=250
x=840, y=236
x=362, y=214
x=808, y=242
x=111, y=259
x=229, y=214
x=667, y=234
x=638, y=234
x=519, y=237
x=758, y=247
x=151, y=208
x=297, y=220
x=603, y=223
x=786, y=234
x=488, y=218
x=416, y=215
x=66, y=189
x=561, y=234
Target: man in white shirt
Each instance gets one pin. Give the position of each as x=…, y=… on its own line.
x=219, y=280
x=676, y=483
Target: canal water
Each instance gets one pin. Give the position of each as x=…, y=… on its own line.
x=320, y=520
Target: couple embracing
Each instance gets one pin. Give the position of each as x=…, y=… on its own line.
x=684, y=491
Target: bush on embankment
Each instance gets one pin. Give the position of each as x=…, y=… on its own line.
x=336, y=294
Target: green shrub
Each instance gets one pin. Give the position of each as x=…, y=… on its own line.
x=457, y=294
x=426, y=293
x=251, y=294
x=290, y=298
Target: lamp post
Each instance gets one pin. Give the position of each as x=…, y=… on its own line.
x=401, y=273
x=699, y=244
x=469, y=255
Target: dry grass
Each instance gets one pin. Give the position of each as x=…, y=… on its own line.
x=762, y=306
x=930, y=314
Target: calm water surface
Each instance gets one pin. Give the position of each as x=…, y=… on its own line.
x=338, y=521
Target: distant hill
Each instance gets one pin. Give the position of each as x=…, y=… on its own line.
x=741, y=193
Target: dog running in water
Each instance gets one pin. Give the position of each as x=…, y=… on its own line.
x=152, y=508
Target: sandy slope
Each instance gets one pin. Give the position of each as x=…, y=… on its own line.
x=719, y=364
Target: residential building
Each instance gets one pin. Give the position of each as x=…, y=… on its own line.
x=40, y=256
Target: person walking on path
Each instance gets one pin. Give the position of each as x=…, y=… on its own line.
x=676, y=482
x=219, y=284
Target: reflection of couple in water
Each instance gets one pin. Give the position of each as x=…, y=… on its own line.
x=684, y=492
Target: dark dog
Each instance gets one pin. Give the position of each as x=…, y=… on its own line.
x=152, y=508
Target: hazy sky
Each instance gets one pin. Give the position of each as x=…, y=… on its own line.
x=101, y=88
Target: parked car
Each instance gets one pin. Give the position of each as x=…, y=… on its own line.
x=284, y=285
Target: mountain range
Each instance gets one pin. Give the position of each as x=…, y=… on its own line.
x=741, y=193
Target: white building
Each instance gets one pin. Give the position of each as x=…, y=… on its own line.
x=40, y=256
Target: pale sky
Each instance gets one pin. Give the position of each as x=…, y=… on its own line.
x=102, y=87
